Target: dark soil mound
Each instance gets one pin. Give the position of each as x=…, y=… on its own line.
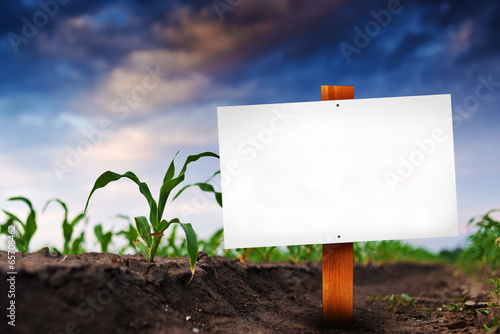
x=106, y=293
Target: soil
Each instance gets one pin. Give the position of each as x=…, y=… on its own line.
x=106, y=293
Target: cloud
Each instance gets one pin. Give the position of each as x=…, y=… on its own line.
x=139, y=86
x=131, y=145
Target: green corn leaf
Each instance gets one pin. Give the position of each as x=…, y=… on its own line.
x=67, y=233
x=195, y=157
x=67, y=229
x=14, y=218
x=406, y=298
x=65, y=208
x=76, y=247
x=494, y=323
x=216, y=238
x=19, y=244
x=143, y=229
x=192, y=244
x=103, y=238
x=214, y=175
x=77, y=219
x=162, y=226
x=4, y=228
x=190, y=185
x=169, y=175
x=171, y=242
x=30, y=228
x=131, y=234
x=142, y=247
x=170, y=184
x=98, y=232
x=109, y=176
x=206, y=187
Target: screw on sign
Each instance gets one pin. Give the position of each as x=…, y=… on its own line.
x=322, y=179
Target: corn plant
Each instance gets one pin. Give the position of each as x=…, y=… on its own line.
x=151, y=231
x=483, y=246
x=266, y=253
x=24, y=230
x=212, y=245
x=77, y=245
x=103, y=238
x=495, y=293
x=396, y=302
x=300, y=253
x=70, y=246
x=390, y=251
x=494, y=323
x=131, y=235
x=171, y=249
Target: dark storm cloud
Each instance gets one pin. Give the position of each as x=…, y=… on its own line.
x=260, y=38
x=482, y=15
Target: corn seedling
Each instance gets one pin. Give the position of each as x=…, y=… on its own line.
x=103, y=238
x=494, y=323
x=266, y=253
x=24, y=231
x=453, y=307
x=77, y=245
x=131, y=234
x=300, y=253
x=212, y=245
x=483, y=246
x=151, y=231
x=171, y=249
x=70, y=246
x=395, y=302
x=243, y=254
x=391, y=251
x=495, y=293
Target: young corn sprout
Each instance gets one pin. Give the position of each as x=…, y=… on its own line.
x=151, y=231
x=70, y=246
x=24, y=230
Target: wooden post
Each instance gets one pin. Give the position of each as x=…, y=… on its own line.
x=337, y=258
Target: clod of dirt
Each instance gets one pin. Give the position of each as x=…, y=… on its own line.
x=462, y=323
x=482, y=320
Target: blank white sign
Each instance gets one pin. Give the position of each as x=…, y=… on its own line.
x=337, y=171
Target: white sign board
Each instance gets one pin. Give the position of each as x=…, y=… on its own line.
x=337, y=171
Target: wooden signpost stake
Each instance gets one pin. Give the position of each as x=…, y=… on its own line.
x=337, y=258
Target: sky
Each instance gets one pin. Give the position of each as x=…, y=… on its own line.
x=90, y=86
